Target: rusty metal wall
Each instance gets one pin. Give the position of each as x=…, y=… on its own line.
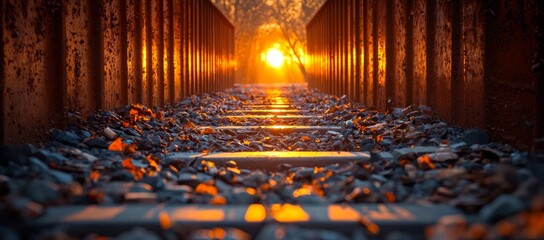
x=470, y=60
x=86, y=55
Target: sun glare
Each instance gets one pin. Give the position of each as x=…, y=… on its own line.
x=274, y=58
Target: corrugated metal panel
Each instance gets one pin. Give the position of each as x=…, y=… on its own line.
x=511, y=85
x=470, y=60
x=89, y=55
x=398, y=53
x=33, y=69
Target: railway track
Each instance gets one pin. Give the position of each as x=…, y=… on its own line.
x=278, y=112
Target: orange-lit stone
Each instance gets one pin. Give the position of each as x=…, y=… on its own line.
x=217, y=233
x=206, y=189
x=130, y=148
x=255, y=213
x=95, y=175
x=476, y=231
x=117, y=145
x=251, y=191
x=127, y=164
x=342, y=213
x=197, y=214
x=505, y=228
x=289, y=213
x=152, y=162
x=303, y=191
x=133, y=114
x=425, y=162
x=305, y=138
x=135, y=127
x=535, y=228
x=390, y=197
x=218, y=200
x=370, y=226
x=207, y=130
x=164, y=220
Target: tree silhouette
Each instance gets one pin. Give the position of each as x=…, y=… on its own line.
x=258, y=21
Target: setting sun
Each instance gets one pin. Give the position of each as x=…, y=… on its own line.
x=274, y=58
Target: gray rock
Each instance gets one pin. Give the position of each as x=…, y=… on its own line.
x=231, y=164
x=426, y=186
x=519, y=158
x=459, y=145
x=489, y=168
x=303, y=173
x=156, y=182
x=60, y=177
x=177, y=189
x=17, y=154
x=43, y=192
x=503, y=206
x=117, y=190
x=271, y=198
x=386, y=142
x=89, y=157
x=379, y=178
x=138, y=234
x=8, y=233
x=193, y=179
x=401, y=192
x=386, y=156
x=38, y=165
x=443, y=156
x=441, y=174
x=66, y=137
x=411, y=171
x=475, y=136
x=417, y=150
x=140, y=197
x=367, y=146
x=467, y=202
x=241, y=195
x=398, y=112
x=222, y=186
x=97, y=142
x=23, y=207
x=5, y=188
x=49, y=157
x=349, y=124
x=255, y=179
x=174, y=199
x=284, y=167
x=311, y=199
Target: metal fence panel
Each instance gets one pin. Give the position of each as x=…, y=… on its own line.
x=473, y=62
x=87, y=55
